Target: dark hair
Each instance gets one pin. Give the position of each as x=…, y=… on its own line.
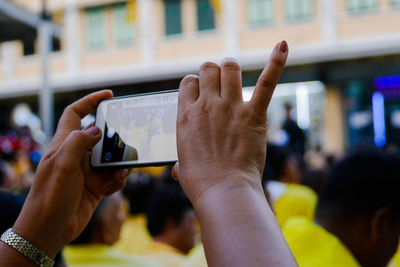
x=87, y=234
x=2, y=172
x=138, y=191
x=363, y=182
x=11, y=206
x=277, y=157
x=167, y=201
x=314, y=179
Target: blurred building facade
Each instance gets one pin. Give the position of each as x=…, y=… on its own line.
x=349, y=46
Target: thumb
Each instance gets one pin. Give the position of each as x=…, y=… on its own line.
x=79, y=142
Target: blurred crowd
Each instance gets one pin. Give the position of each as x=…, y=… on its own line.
x=333, y=210
x=19, y=157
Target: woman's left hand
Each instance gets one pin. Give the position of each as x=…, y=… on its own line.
x=66, y=190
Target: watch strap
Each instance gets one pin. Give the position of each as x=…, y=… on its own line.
x=26, y=248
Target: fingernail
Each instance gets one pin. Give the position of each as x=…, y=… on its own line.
x=124, y=173
x=283, y=47
x=173, y=173
x=93, y=130
x=226, y=59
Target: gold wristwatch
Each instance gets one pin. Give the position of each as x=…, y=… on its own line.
x=26, y=249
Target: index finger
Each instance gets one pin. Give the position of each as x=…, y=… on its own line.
x=269, y=77
x=72, y=115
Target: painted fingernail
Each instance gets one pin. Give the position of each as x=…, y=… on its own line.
x=173, y=173
x=283, y=47
x=124, y=173
x=93, y=130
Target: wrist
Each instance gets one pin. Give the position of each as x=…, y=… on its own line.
x=228, y=191
x=235, y=217
x=35, y=230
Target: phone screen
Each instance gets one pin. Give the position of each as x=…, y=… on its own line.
x=137, y=130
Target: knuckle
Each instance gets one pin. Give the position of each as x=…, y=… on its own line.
x=267, y=82
x=61, y=165
x=230, y=64
x=189, y=80
x=76, y=135
x=278, y=61
x=67, y=110
x=183, y=119
x=209, y=65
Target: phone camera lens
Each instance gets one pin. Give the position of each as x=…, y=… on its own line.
x=108, y=156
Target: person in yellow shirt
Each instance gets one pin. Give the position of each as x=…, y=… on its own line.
x=135, y=238
x=196, y=257
x=93, y=247
x=357, y=221
x=312, y=245
x=171, y=223
x=281, y=180
x=395, y=262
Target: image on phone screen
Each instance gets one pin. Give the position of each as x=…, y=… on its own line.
x=137, y=130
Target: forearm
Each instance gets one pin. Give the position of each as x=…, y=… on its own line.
x=239, y=228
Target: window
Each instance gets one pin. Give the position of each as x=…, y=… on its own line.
x=361, y=5
x=95, y=27
x=395, y=2
x=173, y=22
x=124, y=30
x=299, y=9
x=28, y=47
x=260, y=11
x=205, y=15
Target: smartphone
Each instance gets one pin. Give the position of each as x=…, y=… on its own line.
x=138, y=131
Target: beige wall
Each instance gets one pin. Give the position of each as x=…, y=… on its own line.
x=158, y=19
x=118, y=56
x=189, y=24
x=30, y=67
x=333, y=133
x=206, y=44
x=377, y=23
x=295, y=34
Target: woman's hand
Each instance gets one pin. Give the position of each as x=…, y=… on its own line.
x=66, y=190
x=220, y=137
x=221, y=151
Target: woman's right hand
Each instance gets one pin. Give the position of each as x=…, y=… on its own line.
x=221, y=151
x=222, y=139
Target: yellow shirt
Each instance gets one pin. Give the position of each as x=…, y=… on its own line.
x=100, y=255
x=313, y=246
x=292, y=200
x=196, y=257
x=155, y=172
x=395, y=262
x=135, y=238
x=165, y=254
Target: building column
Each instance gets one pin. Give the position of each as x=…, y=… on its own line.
x=8, y=56
x=46, y=97
x=147, y=45
x=328, y=18
x=72, y=37
x=231, y=30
